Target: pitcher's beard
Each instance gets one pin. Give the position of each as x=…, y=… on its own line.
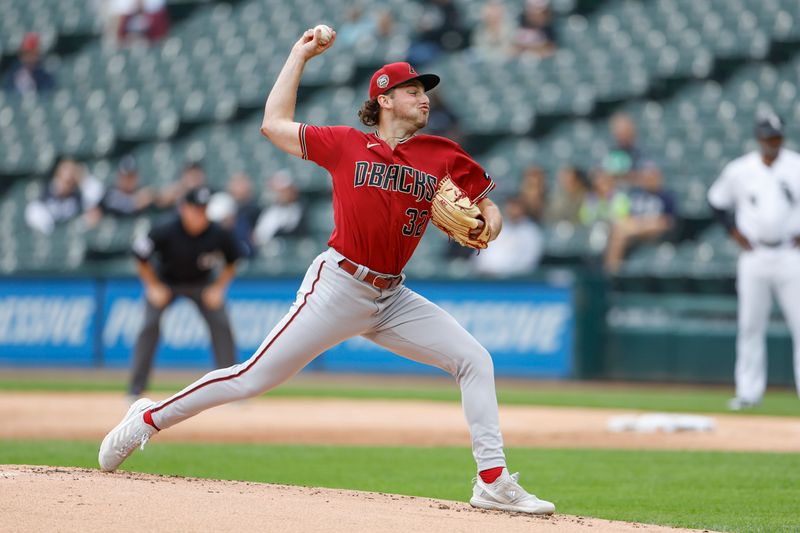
x=418, y=120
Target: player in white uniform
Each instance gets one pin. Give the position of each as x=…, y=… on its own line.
x=763, y=188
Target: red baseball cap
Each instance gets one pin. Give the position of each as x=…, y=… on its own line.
x=30, y=42
x=394, y=74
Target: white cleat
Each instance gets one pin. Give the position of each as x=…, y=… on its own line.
x=738, y=404
x=133, y=432
x=506, y=494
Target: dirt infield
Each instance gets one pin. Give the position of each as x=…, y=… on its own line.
x=69, y=499
x=380, y=422
x=74, y=499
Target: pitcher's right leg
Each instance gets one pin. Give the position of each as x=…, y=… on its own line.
x=319, y=319
x=325, y=312
x=328, y=310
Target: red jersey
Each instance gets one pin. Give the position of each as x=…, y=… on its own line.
x=382, y=197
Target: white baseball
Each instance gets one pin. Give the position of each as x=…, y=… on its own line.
x=325, y=33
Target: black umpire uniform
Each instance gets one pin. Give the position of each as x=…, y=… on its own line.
x=179, y=258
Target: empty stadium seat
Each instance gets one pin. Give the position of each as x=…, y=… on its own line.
x=198, y=94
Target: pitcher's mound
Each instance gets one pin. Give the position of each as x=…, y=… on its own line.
x=43, y=498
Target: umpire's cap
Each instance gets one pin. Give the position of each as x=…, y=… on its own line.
x=391, y=75
x=770, y=125
x=199, y=196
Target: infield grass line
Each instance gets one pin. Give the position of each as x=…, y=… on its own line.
x=658, y=398
x=725, y=491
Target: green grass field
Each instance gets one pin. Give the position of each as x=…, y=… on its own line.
x=720, y=491
x=706, y=490
x=655, y=398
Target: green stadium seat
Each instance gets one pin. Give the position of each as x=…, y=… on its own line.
x=198, y=94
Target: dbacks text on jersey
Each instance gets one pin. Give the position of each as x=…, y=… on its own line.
x=396, y=177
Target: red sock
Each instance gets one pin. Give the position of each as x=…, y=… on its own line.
x=490, y=475
x=148, y=418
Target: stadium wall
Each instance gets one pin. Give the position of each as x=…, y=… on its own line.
x=684, y=337
x=561, y=328
x=528, y=327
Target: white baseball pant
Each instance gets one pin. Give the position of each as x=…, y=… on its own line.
x=332, y=306
x=761, y=272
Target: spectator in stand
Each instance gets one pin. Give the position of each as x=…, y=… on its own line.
x=533, y=192
x=605, y=203
x=61, y=201
x=192, y=176
x=92, y=189
x=565, y=202
x=246, y=214
x=493, y=38
x=126, y=197
x=385, y=25
x=440, y=29
x=357, y=27
x=28, y=75
x=139, y=20
x=285, y=216
x=625, y=159
x=517, y=250
x=362, y=28
x=536, y=34
x=651, y=214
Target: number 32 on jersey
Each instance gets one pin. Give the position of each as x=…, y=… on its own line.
x=416, y=221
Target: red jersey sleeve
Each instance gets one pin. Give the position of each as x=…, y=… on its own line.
x=323, y=144
x=470, y=176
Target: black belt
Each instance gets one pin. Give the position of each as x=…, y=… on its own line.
x=379, y=281
x=772, y=244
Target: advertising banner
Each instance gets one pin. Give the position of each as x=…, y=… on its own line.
x=254, y=307
x=47, y=323
x=528, y=328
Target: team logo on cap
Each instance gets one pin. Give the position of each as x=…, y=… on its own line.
x=383, y=81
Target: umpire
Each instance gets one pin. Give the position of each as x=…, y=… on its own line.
x=178, y=258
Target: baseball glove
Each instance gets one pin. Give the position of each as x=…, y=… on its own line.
x=456, y=215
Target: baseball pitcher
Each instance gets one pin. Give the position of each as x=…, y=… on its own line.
x=387, y=185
